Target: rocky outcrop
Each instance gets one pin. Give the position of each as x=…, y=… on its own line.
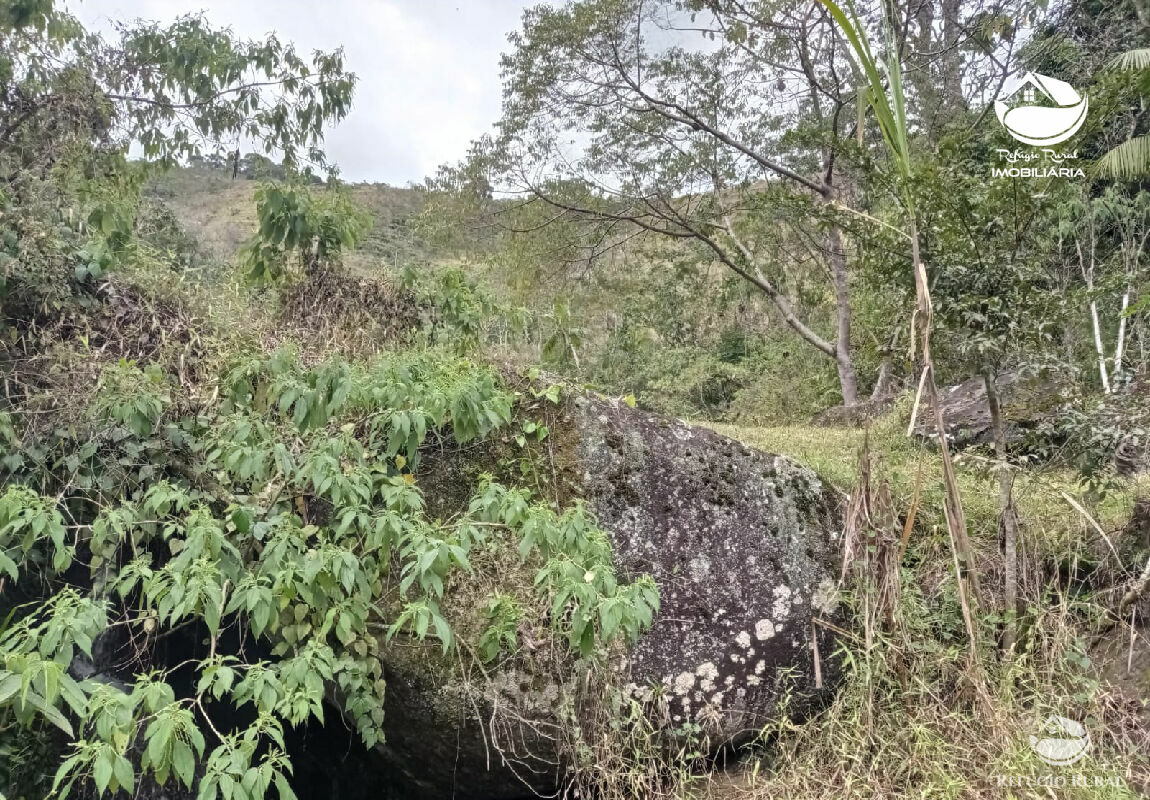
x=744, y=546
x=745, y=549
x=1025, y=401
x=858, y=415
x=1041, y=416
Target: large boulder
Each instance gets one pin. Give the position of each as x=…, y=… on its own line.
x=1025, y=400
x=1042, y=415
x=745, y=548
x=858, y=415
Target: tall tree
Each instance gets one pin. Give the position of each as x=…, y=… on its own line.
x=672, y=119
x=73, y=102
x=175, y=90
x=729, y=124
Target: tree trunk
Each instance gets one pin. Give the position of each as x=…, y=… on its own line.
x=937, y=72
x=1098, y=346
x=1007, y=518
x=840, y=279
x=883, y=381
x=1141, y=331
x=1120, y=346
x=951, y=72
x=848, y=381
x=885, y=376
x=1088, y=278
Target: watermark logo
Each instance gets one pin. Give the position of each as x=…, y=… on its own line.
x=1041, y=111
x=1061, y=741
x=1034, y=164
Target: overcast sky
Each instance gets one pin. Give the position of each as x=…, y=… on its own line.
x=428, y=69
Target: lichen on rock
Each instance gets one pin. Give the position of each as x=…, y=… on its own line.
x=744, y=546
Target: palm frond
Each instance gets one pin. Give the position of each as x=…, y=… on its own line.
x=1128, y=160
x=1133, y=60
x=886, y=99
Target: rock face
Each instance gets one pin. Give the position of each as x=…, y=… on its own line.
x=967, y=412
x=1025, y=401
x=745, y=548
x=856, y=416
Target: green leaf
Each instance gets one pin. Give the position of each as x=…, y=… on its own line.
x=9, y=685
x=183, y=762
x=1130, y=159
x=1133, y=60
x=102, y=770
x=122, y=771
x=49, y=712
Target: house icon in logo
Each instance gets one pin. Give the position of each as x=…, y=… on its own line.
x=1041, y=111
x=1060, y=741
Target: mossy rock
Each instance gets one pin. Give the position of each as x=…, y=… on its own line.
x=1025, y=399
x=745, y=548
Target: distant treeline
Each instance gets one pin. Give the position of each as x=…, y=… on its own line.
x=250, y=166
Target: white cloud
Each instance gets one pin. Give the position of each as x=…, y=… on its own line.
x=428, y=69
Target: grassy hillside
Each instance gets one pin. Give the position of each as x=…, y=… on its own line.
x=220, y=212
x=653, y=319
x=926, y=713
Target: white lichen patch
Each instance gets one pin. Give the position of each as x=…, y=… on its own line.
x=781, y=608
x=825, y=598
x=700, y=568
x=760, y=667
x=764, y=629
x=743, y=640
x=707, y=673
x=753, y=680
x=684, y=682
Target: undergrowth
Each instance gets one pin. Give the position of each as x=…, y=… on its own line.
x=271, y=510
x=924, y=711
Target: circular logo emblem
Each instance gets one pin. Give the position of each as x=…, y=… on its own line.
x=1063, y=741
x=1041, y=111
